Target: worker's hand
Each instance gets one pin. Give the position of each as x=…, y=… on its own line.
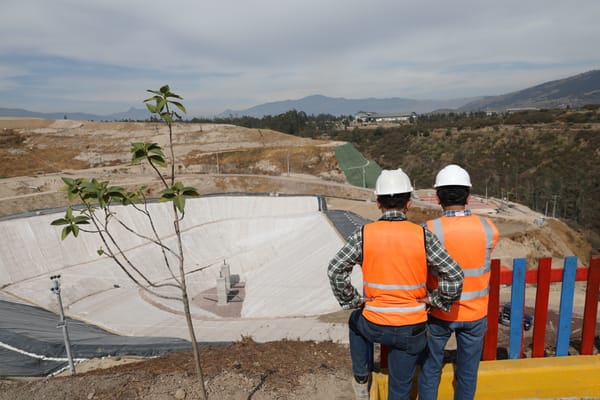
x=424, y=300
x=363, y=300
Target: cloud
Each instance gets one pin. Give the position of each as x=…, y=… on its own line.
x=235, y=54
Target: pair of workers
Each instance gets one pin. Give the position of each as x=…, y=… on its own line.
x=420, y=284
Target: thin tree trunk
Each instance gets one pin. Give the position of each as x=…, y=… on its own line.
x=186, y=309
x=195, y=349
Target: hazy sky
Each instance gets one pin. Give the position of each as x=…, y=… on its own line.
x=100, y=56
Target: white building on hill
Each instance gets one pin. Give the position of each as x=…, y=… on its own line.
x=373, y=117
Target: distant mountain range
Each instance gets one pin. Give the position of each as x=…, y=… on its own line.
x=136, y=114
x=574, y=91
x=318, y=104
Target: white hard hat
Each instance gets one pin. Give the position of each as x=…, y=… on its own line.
x=452, y=175
x=392, y=182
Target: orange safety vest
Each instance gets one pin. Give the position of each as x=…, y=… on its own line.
x=469, y=240
x=394, y=271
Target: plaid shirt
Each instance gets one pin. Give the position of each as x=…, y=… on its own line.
x=450, y=275
x=457, y=213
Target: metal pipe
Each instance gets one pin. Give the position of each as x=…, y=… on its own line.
x=62, y=323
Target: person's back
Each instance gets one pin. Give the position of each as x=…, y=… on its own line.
x=470, y=240
x=394, y=255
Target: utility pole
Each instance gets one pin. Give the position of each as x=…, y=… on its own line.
x=217, y=163
x=486, y=192
x=554, y=196
x=62, y=323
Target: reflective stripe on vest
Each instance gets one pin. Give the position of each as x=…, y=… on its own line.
x=394, y=287
x=472, y=304
x=395, y=309
x=394, y=273
x=475, y=294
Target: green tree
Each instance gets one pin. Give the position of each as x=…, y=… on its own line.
x=98, y=217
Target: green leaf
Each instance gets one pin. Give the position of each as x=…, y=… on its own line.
x=166, y=195
x=179, y=203
x=160, y=105
x=65, y=232
x=136, y=159
x=177, y=194
x=75, y=230
x=73, y=187
x=60, y=221
x=178, y=186
x=155, y=149
x=100, y=252
x=158, y=160
x=156, y=92
x=81, y=220
x=142, y=151
x=132, y=197
x=115, y=192
x=151, y=108
x=179, y=105
x=190, y=192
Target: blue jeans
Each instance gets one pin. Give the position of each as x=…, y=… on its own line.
x=405, y=343
x=469, y=346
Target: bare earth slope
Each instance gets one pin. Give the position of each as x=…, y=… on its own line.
x=217, y=159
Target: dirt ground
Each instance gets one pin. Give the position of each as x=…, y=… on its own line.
x=243, y=370
x=36, y=153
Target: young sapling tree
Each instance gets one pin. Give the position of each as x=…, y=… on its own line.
x=98, y=216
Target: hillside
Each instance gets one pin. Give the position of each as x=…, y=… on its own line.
x=551, y=166
x=574, y=91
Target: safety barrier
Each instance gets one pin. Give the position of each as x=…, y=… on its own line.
x=542, y=277
x=573, y=377
x=569, y=376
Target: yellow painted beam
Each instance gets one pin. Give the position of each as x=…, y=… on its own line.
x=528, y=378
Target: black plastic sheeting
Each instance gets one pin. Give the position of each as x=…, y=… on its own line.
x=15, y=364
x=346, y=222
x=31, y=343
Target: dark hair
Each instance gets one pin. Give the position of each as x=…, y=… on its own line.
x=453, y=195
x=397, y=201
